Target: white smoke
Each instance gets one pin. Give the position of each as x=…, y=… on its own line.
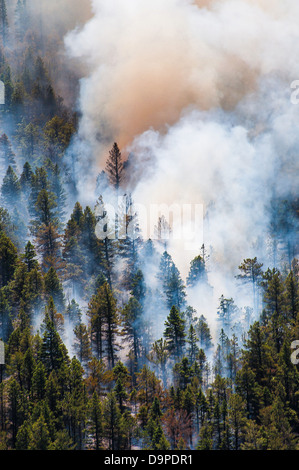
x=199, y=93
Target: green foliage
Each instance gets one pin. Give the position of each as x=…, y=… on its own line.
x=72, y=304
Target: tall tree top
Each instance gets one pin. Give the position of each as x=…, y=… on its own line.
x=114, y=166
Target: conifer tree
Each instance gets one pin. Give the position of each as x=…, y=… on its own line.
x=26, y=179
x=175, y=290
x=8, y=259
x=10, y=188
x=159, y=355
x=197, y=272
x=82, y=344
x=115, y=167
x=3, y=21
x=53, y=352
x=6, y=152
x=175, y=333
x=55, y=317
x=54, y=289
x=5, y=319
x=292, y=296
x=203, y=333
x=274, y=306
x=48, y=243
x=105, y=232
x=192, y=340
x=112, y=417
x=29, y=257
x=96, y=424
x=28, y=134
x=73, y=312
x=134, y=329
x=172, y=285
x=251, y=272
x=104, y=324
x=72, y=251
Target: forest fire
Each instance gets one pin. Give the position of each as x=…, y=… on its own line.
x=149, y=295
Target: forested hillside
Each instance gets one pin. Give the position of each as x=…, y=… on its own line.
x=102, y=347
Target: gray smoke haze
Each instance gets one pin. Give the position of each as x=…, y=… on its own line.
x=198, y=93
x=60, y=15
x=149, y=60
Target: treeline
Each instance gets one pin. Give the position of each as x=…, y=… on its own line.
x=102, y=349
x=120, y=391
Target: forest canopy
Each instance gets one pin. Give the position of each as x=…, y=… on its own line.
x=104, y=348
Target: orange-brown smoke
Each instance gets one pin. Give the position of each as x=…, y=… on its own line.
x=150, y=60
x=61, y=15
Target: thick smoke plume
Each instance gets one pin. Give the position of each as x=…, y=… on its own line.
x=198, y=94
x=149, y=60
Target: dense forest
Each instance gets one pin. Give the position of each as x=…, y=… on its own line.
x=99, y=355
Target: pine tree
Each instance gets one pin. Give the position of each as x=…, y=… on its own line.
x=111, y=323
x=104, y=324
x=274, y=306
x=134, y=329
x=57, y=188
x=148, y=387
x=82, y=344
x=115, y=167
x=15, y=408
x=226, y=312
x=24, y=436
x=138, y=287
x=55, y=317
x=251, y=272
x=8, y=259
x=48, y=243
x=105, y=232
x=28, y=134
x=162, y=231
x=89, y=243
x=129, y=240
x=192, y=340
x=6, y=152
x=172, y=284
x=3, y=21
x=182, y=373
x=54, y=289
x=10, y=189
x=112, y=417
x=175, y=333
x=96, y=424
x=96, y=324
x=29, y=257
x=73, y=312
x=159, y=355
x=39, y=382
x=292, y=296
x=175, y=290
x=39, y=182
x=72, y=251
x=26, y=179
x=203, y=333
x=45, y=209
x=197, y=272
x=53, y=352
x=20, y=20
x=5, y=318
